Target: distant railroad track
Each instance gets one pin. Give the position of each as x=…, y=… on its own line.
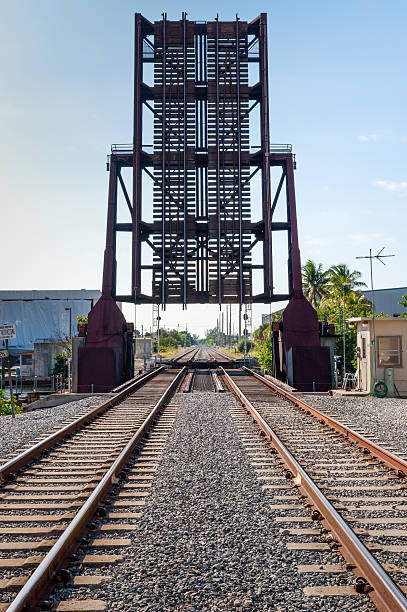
x=53, y=494
x=354, y=488
x=202, y=354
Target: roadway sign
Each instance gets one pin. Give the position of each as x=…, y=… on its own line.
x=3, y=354
x=7, y=332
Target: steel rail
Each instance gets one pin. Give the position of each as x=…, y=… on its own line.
x=390, y=459
x=23, y=458
x=223, y=355
x=219, y=388
x=182, y=355
x=386, y=594
x=28, y=596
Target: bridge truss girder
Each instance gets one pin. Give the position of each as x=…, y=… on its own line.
x=202, y=236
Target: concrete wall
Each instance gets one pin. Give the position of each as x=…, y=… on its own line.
x=44, y=359
x=143, y=347
x=77, y=343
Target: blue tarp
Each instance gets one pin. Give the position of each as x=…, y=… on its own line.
x=40, y=320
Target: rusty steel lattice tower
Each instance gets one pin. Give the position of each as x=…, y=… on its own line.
x=198, y=246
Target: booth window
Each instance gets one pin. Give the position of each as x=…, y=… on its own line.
x=389, y=351
x=363, y=347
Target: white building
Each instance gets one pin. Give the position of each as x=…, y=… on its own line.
x=387, y=360
x=43, y=318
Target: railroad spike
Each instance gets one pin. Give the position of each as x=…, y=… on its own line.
x=362, y=585
x=316, y=516
x=63, y=575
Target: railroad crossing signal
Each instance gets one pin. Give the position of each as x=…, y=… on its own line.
x=3, y=354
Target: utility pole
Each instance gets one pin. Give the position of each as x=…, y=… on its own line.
x=158, y=333
x=9, y=332
x=70, y=323
x=379, y=257
x=10, y=382
x=230, y=326
x=344, y=330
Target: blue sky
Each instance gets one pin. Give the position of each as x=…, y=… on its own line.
x=338, y=94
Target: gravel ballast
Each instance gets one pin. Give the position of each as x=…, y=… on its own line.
x=25, y=427
x=384, y=419
x=207, y=539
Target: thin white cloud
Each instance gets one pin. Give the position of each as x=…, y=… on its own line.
x=392, y=187
x=317, y=242
x=364, y=237
x=368, y=138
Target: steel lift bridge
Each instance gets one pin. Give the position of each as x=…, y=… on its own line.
x=197, y=246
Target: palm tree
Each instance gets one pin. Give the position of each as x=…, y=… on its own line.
x=315, y=282
x=342, y=281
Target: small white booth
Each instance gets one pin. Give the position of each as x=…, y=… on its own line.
x=380, y=354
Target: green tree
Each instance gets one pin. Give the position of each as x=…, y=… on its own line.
x=265, y=354
x=356, y=305
x=262, y=332
x=403, y=302
x=168, y=342
x=315, y=282
x=342, y=281
x=61, y=364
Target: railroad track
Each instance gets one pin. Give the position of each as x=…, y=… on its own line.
x=63, y=501
x=66, y=517
x=202, y=354
x=185, y=356
x=354, y=490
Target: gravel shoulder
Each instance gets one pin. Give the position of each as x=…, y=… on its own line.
x=383, y=419
x=15, y=433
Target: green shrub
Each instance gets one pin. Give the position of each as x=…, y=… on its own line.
x=240, y=346
x=5, y=404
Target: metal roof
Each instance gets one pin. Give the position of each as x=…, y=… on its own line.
x=50, y=294
x=386, y=300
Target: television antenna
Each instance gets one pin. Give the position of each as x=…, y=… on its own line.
x=380, y=258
